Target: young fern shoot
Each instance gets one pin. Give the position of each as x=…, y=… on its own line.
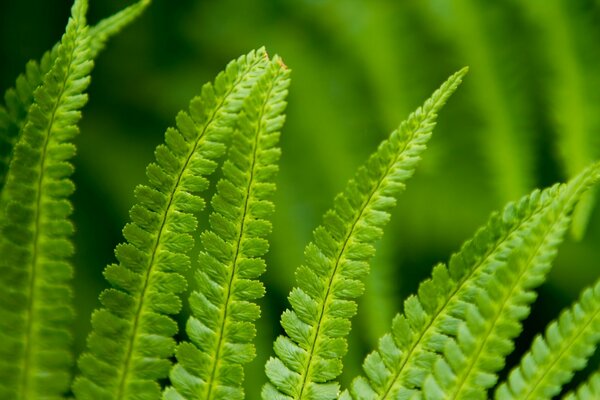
x=454, y=335
x=35, y=240
x=308, y=359
x=553, y=358
x=132, y=334
x=221, y=326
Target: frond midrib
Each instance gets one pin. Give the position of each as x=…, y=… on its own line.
x=562, y=351
x=132, y=339
x=505, y=303
x=37, y=226
x=461, y=285
x=342, y=250
x=239, y=242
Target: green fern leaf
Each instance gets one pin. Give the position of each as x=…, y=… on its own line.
x=221, y=327
x=554, y=357
x=131, y=339
x=589, y=390
x=503, y=299
x=19, y=99
x=35, y=244
x=406, y=358
x=309, y=357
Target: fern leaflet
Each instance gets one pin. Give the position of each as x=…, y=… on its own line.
x=589, y=390
x=35, y=242
x=309, y=358
x=554, y=357
x=406, y=357
x=221, y=327
x=503, y=300
x=131, y=338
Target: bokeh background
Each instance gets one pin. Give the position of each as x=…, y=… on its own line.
x=528, y=115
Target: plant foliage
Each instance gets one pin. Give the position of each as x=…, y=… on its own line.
x=452, y=338
x=221, y=325
x=133, y=330
x=336, y=262
x=35, y=243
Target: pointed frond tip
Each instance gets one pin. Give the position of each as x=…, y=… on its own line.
x=131, y=342
x=19, y=99
x=454, y=334
x=309, y=357
x=35, y=239
x=223, y=307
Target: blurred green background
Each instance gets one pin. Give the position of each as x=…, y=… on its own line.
x=528, y=115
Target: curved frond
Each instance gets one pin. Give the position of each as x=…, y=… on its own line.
x=223, y=309
x=470, y=362
x=589, y=390
x=19, y=99
x=554, y=357
x=132, y=334
x=408, y=355
x=309, y=357
x=36, y=311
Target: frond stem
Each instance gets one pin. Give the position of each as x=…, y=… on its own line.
x=335, y=268
x=35, y=253
x=237, y=250
x=132, y=339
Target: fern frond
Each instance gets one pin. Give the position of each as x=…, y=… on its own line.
x=309, y=357
x=554, y=357
x=221, y=326
x=132, y=334
x=407, y=356
x=110, y=26
x=502, y=301
x=589, y=390
x=19, y=99
x=36, y=311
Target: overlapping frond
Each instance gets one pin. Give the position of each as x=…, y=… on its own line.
x=516, y=245
x=19, y=99
x=131, y=339
x=589, y=390
x=555, y=356
x=470, y=362
x=35, y=295
x=309, y=357
x=223, y=310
